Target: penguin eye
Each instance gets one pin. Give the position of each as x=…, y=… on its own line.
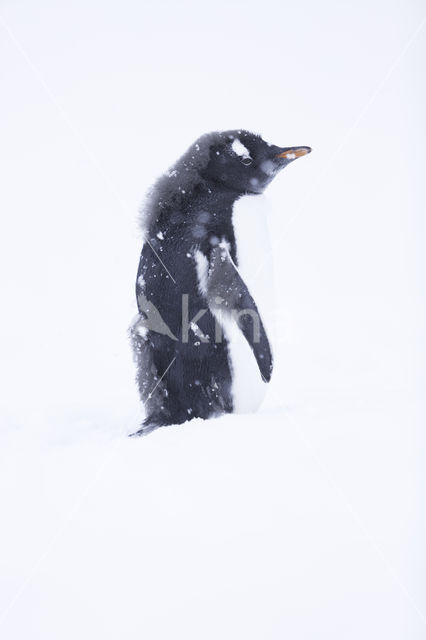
x=247, y=161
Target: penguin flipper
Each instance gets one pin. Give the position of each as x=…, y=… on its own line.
x=228, y=293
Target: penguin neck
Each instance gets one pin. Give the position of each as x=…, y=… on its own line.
x=228, y=195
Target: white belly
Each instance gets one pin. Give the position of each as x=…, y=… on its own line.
x=255, y=265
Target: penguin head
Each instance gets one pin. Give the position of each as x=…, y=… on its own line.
x=243, y=161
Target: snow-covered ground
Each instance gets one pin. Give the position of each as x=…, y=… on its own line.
x=307, y=519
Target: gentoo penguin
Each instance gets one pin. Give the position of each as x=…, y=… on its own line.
x=189, y=290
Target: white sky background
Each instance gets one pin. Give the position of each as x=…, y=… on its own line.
x=97, y=100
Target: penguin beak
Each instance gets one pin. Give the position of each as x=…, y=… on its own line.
x=291, y=153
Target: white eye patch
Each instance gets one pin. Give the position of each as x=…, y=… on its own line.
x=239, y=149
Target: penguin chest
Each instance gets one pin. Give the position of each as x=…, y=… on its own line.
x=255, y=266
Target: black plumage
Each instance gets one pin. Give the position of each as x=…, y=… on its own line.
x=183, y=369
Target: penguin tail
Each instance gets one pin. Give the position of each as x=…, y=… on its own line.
x=147, y=426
